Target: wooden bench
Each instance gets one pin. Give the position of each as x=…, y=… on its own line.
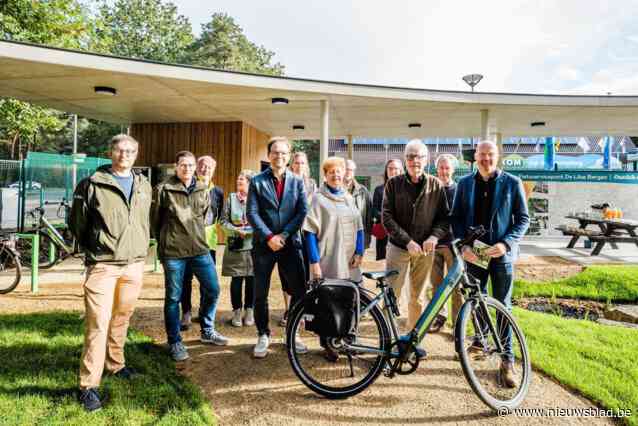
x=601, y=240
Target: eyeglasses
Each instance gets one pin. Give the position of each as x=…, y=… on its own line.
x=279, y=153
x=186, y=166
x=412, y=157
x=127, y=152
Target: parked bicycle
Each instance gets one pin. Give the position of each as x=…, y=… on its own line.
x=355, y=348
x=55, y=245
x=10, y=267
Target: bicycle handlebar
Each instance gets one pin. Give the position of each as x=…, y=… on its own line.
x=474, y=234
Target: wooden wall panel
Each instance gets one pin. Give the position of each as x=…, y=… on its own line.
x=234, y=145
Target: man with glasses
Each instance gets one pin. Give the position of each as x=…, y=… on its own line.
x=181, y=206
x=276, y=209
x=204, y=173
x=109, y=219
x=415, y=215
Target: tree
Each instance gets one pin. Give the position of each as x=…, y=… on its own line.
x=145, y=29
x=60, y=23
x=20, y=124
x=311, y=148
x=223, y=45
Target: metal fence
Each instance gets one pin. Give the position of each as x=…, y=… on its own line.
x=40, y=179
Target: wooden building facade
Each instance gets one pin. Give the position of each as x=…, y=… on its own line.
x=235, y=146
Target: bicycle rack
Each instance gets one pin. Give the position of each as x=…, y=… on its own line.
x=35, y=250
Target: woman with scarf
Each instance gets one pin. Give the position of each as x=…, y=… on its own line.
x=238, y=262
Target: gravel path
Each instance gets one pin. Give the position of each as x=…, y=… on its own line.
x=247, y=391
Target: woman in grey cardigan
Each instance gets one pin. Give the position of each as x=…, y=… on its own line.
x=334, y=229
x=238, y=262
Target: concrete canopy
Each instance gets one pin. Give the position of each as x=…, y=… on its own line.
x=149, y=92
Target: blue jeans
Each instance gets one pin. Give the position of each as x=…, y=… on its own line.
x=502, y=278
x=203, y=268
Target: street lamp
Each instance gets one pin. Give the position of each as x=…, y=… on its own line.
x=472, y=79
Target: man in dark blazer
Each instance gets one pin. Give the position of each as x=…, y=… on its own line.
x=276, y=209
x=496, y=200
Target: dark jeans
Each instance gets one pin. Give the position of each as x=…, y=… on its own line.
x=187, y=288
x=235, y=292
x=289, y=261
x=204, y=269
x=381, y=248
x=502, y=278
x=306, y=259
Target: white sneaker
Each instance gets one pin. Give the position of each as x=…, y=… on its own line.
x=261, y=348
x=300, y=348
x=249, y=318
x=236, y=321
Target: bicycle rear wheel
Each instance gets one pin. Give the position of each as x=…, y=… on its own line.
x=349, y=371
x=10, y=270
x=46, y=259
x=483, y=364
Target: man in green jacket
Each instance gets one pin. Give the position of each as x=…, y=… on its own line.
x=179, y=216
x=109, y=219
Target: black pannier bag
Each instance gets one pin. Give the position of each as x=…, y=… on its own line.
x=330, y=308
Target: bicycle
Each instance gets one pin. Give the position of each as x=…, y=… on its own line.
x=373, y=344
x=55, y=246
x=10, y=266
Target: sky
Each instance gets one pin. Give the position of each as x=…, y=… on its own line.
x=562, y=47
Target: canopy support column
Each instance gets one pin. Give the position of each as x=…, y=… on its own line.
x=325, y=135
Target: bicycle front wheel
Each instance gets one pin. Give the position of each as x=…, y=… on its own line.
x=10, y=270
x=499, y=374
x=327, y=366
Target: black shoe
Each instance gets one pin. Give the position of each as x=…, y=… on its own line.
x=438, y=324
x=420, y=352
x=126, y=373
x=90, y=399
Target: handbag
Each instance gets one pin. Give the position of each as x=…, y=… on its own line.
x=378, y=231
x=235, y=243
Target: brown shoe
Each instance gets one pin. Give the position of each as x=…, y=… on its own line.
x=437, y=324
x=508, y=379
x=330, y=355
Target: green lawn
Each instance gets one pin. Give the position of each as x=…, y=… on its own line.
x=39, y=356
x=608, y=284
x=598, y=361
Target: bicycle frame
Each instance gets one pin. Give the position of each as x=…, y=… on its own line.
x=53, y=233
x=451, y=281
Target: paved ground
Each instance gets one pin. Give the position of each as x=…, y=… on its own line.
x=246, y=391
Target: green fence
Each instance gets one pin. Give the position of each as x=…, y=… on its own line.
x=50, y=178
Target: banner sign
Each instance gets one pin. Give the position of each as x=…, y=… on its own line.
x=577, y=176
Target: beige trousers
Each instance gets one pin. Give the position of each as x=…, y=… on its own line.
x=110, y=295
x=418, y=269
x=443, y=261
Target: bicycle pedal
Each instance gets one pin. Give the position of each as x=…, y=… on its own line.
x=388, y=371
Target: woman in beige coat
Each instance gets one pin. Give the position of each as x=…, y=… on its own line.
x=333, y=226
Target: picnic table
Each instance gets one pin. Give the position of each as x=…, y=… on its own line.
x=610, y=231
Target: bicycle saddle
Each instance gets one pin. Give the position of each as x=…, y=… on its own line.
x=380, y=274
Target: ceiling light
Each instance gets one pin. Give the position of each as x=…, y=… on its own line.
x=298, y=127
x=414, y=125
x=537, y=123
x=105, y=90
x=279, y=101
